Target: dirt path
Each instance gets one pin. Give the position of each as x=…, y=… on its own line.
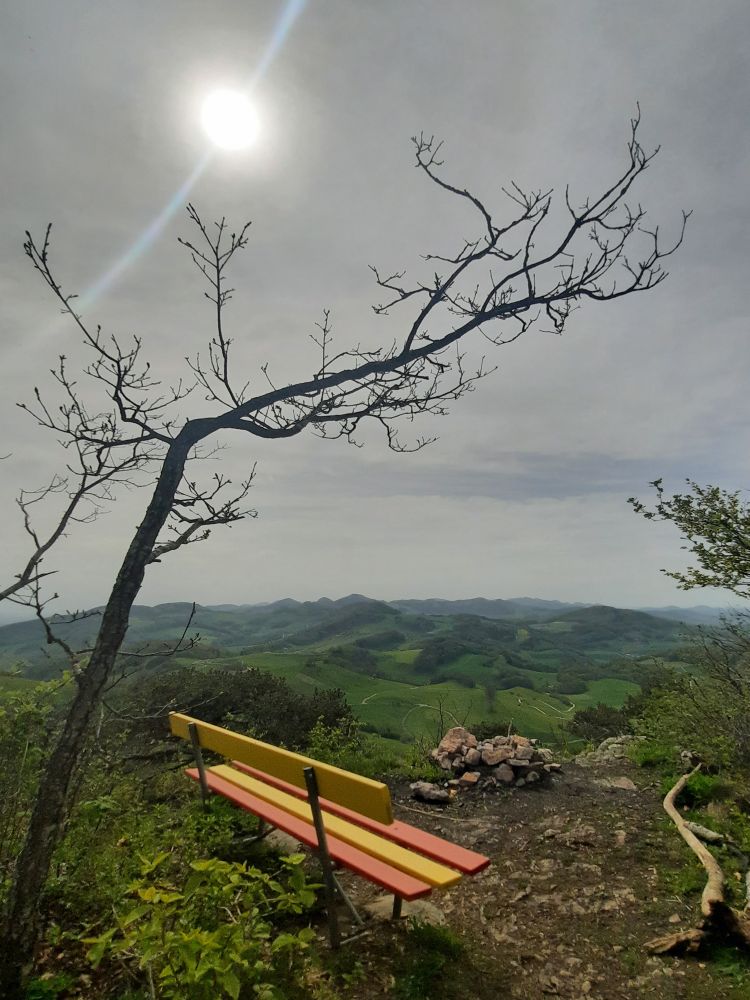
x=579, y=881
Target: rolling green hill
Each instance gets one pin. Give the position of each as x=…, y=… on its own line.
x=400, y=669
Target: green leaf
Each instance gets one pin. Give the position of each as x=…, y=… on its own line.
x=231, y=984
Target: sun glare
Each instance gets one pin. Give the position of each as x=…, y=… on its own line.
x=229, y=119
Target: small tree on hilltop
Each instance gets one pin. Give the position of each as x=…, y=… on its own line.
x=708, y=709
x=715, y=525
x=509, y=277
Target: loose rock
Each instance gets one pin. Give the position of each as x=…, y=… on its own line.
x=429, y=792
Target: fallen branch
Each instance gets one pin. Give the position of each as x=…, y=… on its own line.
x=719, y=919
x=704, y=834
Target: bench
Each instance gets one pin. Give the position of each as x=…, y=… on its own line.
x=345, y=818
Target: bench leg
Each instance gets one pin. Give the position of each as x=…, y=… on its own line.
x=198, y=753
x=264, y=829
x=350, y=905
x=329, y=879
x=396, y=912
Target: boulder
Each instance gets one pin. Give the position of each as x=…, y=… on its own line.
x=496, y=755
x=504, y=774
x=454, y=738
x=624, y=783
x=613, y=750
x=429, y=792
x=472, y=757
x=469, y=779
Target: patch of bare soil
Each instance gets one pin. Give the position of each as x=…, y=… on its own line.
x=575, y=888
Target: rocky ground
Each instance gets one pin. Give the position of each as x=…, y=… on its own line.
x=580, y=879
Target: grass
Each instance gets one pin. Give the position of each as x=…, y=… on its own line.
x=10, y=684
x=422, y=964
x=405, y=710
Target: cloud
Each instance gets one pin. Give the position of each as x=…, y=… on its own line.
x=525, y=489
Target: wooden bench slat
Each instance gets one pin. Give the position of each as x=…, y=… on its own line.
x=363, y=795
x=382, y=874
x=466, y=861
x=399, y=857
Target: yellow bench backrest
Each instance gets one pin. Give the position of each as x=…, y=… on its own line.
x=363, y=795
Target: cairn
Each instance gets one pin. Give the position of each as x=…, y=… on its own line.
x=501, y=761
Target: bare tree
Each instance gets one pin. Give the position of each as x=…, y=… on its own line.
x=498, y=284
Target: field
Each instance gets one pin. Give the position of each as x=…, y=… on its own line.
x=402, y=710
x=9, y=684
x=406, y=674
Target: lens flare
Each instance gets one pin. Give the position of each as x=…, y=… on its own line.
x=289, y=14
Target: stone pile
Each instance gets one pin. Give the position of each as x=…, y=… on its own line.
x=498, y=761
x=613, y=750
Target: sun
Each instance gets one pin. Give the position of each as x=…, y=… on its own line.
x=229, y=119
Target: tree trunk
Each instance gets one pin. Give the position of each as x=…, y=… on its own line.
x=21, y=923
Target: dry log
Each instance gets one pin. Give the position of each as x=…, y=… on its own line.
x=681, y=942
x=706, y=835
x=719, y=919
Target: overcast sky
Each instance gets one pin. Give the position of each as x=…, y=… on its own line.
x=525, y=491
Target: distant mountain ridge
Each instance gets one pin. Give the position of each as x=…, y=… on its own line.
x=502, y=608
x=288, y=624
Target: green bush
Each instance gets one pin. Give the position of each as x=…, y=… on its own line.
x=569, y=684
x=389, y=639
x=250, y=701
x=700, y=789
x=438, y=652
x=115, y=823
x=706, y=710
x=654, y=753
x=49, y=989
x=511, y=679
x=213, y=934
x=599, y=722
x=28, y=725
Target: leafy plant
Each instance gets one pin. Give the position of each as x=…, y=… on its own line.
x=27, y=727
x=653, y=753
x=48, y=988
x=701, y=789
x=340, y=745
x=218, y=932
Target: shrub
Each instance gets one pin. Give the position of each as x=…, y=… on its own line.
x=570, y=681
x=28, y=725
x=119, y=819
x=213, y=934
x=708, y=709
x=654, y=753
x=438, y=652
x=250, y=701
x=389, y=639
x=700, y=789
x=351, y=658
x=597, y=723
x=510, y=679
x=342, y=746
